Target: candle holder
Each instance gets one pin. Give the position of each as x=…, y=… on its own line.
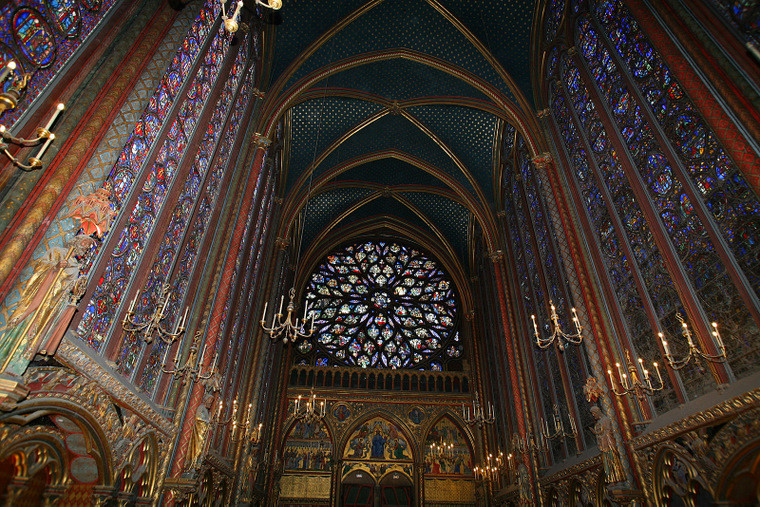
x=43, y=134
x=153, y=325
x=310, y=412
x=289, y=329
x=192, y=369
x=637, y=379
x=694, y=351
x=558, y=336
x=559, y=427
x=478, y=415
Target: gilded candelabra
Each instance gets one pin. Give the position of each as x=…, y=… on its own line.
x=558, y=336
x=309, y=412
x=289, y=329
x=694, y=351
x=478, y=414
x=9, y=98
x=559, y=430
x=231, y=22
x=637, y=379
x=192, y=369
x=153, y=325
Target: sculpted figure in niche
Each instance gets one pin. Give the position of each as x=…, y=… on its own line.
x=200, y=430
x=605, y=438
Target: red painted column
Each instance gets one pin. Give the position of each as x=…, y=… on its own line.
x=215, y=321
x=519, y=409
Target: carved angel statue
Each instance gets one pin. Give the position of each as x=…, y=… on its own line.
x=605, y=437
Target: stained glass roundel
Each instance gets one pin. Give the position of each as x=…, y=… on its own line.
x=382, y=305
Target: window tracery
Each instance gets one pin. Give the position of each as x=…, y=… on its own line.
x=382, y=305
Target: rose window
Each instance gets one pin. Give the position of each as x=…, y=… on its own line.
x=382, y=305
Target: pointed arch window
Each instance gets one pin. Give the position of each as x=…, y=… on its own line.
x=674, y=219
x=166, y=183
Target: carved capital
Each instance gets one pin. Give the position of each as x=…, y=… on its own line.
x=261, y=140
x=543, y=160
x=282, y=243
x=544, y=113
x=12, y=390
x=496, y=255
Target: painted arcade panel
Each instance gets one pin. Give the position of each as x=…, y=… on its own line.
x=308, y=447
x=447, y=451
x=377, y=439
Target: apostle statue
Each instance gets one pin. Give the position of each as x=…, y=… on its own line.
x=605, y=438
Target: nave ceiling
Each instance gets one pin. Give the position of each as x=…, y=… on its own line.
x=394, y=110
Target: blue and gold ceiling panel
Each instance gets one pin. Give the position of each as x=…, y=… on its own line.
x=394, y=132
x=451, y=218
x=323, y=208
x=411, y=24
x=318, y=123
x=390, y=172
x=471, y=134
x=401, y=79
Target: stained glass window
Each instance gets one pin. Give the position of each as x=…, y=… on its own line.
x=648, y=167
x=98, y=315
x=41, y=36
x=383, y=305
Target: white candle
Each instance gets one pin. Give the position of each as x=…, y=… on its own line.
x=657, y=369
x=45, y=147
x=664, y=344
x=60, y=107
x=688, y=335
x=718, y=339
x=612, y=380
x=7, y=69
x=535, y=327
x=282, y=299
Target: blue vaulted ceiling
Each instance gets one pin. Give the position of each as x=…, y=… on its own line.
x=397, y=106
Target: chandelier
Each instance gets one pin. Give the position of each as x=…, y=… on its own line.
x=558, y=336
x=309, y=412
x=231, y=22
x=152, y=327
x=637, y=379
x=289, y=329
x=559, y=426
x=694, y=351
x=478, y=414
x=9, y=100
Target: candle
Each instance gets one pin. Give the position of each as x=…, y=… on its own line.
x=264, y=314
x=664, y=344
x=60, y=107
x=7, y=69
x=718, y=339
x=305, y=310
x=625, y=381
x=612, y=381
x=535, y=327
x=620, y=370
x=282, y=299
x=657, y=369
x=184, y=320
x=687, y=334
x=132, y=305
